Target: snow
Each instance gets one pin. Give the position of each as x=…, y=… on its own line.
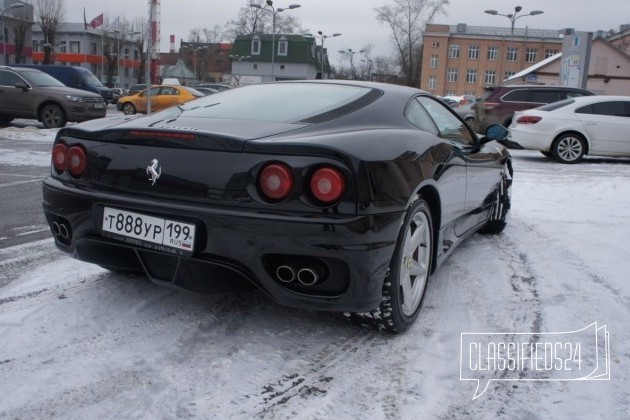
x=80, y=342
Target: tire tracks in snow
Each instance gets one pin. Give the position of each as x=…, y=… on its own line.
x=314, y=378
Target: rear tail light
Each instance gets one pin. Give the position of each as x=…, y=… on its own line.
x=76, y=160
x=73, y=159
x=276, y=181
x=528, y=119
x=327, y=185
x=59, y=157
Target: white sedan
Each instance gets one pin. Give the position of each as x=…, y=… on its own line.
x=569, y=129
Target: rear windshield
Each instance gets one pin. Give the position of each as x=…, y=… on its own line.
x=281, y=102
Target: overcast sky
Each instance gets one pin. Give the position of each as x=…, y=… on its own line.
x=356, y=18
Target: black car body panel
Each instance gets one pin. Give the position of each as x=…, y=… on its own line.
x=208, y=178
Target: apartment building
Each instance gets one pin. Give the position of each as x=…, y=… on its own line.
x=462, y=59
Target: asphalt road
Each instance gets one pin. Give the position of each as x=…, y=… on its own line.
x=21, y=203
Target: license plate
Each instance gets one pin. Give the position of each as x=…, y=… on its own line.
x=154, y=232
x=99, y=105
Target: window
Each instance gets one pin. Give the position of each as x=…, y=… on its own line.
x=418, y=116
x=434, y=61
x=473, y=52
x=449, y=127
x=471, y=76
x=432, y=83
x=451, y=75
x=550, y=52
x=531, y=54
x=93, y=48
x=256, y=45
x=493, y=52
x=453, y=51
x=8, y=78
x=491, y=77
x=283, y=46
x=63, y=46
x=282, y=67
x=254, y=66
x=35, y=46
x=435, y=44
x=545, y=96
x=512, y=53
x=450, y=92
x=508, y=74
x=75, y=47
x=612, y=109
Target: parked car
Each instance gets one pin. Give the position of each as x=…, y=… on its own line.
x=464, y=107
x=31, y=93
x=217, y=86
x=136, y=88
x=327, y=195
x=75, y=77
x=118, y=93
x=498, y=104
x=570, y=129
x=206, y=91
x=161, y=97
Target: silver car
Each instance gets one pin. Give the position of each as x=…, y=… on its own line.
x=33, y=94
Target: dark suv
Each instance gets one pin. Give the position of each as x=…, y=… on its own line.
x=31, y=93
x=498, y=104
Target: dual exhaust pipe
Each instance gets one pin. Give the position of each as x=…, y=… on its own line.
x=306, y=276
x=60, y=230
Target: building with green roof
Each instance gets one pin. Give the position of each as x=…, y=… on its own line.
x=296, y=57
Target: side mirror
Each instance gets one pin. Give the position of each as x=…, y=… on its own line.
x=495, y=132
x=22, y=85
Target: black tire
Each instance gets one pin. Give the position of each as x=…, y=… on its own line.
x=497, y=220
x=52, y=116
x=405, y=284
x=547, y=154
x=128, y=108
x=569, y=148
x=5, y=120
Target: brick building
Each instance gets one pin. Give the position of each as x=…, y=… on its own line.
x=462, y=59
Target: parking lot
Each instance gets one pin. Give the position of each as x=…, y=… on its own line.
x=82, y=342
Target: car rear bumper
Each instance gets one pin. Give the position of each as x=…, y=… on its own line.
x=348, y=256
x=529, y=140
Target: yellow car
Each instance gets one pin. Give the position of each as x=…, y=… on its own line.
x=161, y=97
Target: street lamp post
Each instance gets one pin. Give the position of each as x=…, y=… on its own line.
x=369, y=68
x=323, y=38
x=239, y=58
x=351, y=54
x=513, y=17
x=274, y=12
x=4, y=38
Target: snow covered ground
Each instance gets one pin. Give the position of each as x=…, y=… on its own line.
x=78, y=342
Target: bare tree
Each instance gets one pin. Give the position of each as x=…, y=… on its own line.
x=114, y=40
x=48, y=15
x=22, y=27
x=206, y=35
x=140, y=25
x=251, y=20
x=407, y=19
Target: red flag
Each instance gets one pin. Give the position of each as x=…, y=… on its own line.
x=97, y=21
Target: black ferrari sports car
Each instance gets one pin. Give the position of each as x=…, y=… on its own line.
x=327, y=195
